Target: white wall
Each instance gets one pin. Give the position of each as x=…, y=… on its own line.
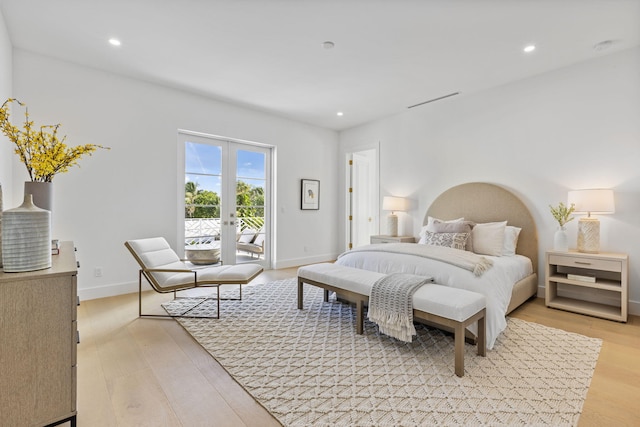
x=5, y=92
x=573, y=128
x=131, y=191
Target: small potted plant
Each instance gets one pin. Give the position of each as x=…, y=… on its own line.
x=562, y=214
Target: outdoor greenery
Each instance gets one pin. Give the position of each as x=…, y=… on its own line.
x=206, y=204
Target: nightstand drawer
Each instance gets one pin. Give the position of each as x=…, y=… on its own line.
x=383, y=240
x=588, y=263
x=392, y=239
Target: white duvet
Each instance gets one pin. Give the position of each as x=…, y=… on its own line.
x=495, y=284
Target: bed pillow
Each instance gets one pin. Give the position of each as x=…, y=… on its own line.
x=510, y=240
x=450, y=240
x=439, y=226
x=430, y=225
x=488, y=238
x=431, y=220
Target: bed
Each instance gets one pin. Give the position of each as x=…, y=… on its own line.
x=507, y=284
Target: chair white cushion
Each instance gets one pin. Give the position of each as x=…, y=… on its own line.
x=155, y=253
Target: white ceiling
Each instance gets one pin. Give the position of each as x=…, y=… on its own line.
x=268, y=54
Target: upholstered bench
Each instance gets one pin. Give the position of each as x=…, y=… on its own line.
x=441, y=305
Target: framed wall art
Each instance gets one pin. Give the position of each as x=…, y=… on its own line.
x=310, y=197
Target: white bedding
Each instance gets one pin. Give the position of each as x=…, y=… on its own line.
x=495, y=284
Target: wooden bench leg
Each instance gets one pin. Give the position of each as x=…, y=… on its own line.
x=459, y=348
x=359, y=318
x=482, y=335
x=300, y=287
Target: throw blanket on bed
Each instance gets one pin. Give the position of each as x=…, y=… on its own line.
x=391, y=304
x=464, y=259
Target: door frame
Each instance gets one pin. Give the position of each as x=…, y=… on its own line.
x=269, y=252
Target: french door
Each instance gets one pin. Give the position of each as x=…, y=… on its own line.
x=227, y=200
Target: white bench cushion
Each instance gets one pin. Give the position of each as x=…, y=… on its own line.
x=444, y=301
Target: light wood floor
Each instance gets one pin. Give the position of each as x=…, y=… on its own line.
x=150, y=372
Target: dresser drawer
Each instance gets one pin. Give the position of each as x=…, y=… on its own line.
x=588, y=263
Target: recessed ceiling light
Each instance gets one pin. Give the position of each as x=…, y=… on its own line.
x=530, y=48
x=328, y=45
x=340, y=114
x=115, y=42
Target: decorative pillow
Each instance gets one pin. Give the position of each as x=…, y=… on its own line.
x=450, y=240
x=488, y=238
x=510, y=240
x=247, y=236
x=431, y=221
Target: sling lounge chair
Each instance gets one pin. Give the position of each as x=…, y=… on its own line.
x=166, y=272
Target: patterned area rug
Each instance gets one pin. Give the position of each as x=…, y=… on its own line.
x=309, y=367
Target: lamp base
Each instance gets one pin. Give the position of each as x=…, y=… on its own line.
x=392, y=225
x=589, y=235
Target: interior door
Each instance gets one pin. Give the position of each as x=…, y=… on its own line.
x=227, y=193
x=363, y=200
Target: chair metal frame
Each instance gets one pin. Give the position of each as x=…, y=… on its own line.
x=146, y=272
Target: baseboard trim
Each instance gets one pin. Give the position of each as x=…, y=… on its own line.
x=110, y=290
x=296, y=262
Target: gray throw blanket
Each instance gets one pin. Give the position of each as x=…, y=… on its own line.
x=391, y=304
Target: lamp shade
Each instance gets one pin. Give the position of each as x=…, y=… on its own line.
x=598, y=201
x=390, y=203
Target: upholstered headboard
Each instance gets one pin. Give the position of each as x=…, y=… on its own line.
x=482, y=202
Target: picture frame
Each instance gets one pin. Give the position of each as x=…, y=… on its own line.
x=309, y=194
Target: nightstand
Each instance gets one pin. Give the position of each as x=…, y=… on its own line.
x=392, y=239
x=592, y=284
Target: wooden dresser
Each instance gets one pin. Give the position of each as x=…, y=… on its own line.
x=38, y=339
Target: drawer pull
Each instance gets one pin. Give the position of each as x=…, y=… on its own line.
x=78, y=264
x=582, y=263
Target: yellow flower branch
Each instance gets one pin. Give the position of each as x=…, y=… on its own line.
x=40, y=149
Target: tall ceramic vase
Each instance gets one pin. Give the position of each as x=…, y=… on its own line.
x=26, y=242
x=561, y=240
x=42, y=194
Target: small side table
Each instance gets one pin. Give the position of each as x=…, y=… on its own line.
x=583, y=282
x=392, y=239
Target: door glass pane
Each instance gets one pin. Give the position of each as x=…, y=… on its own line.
x=251, y=183
x=203, y=183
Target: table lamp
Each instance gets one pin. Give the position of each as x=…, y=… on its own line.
x=597, y=201
x=393, y=204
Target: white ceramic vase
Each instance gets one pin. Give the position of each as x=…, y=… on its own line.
x=26, y=238
x=561, y=240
